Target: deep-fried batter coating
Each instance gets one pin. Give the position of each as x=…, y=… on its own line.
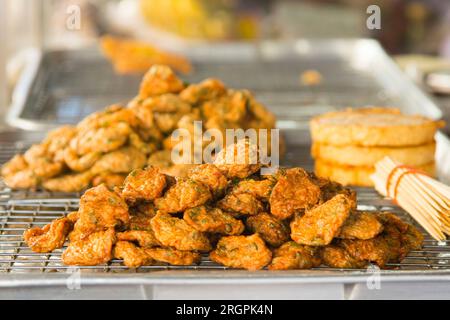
x=167, y=122
x=209, y=175
x=111, y=180
x=73, y=216
x=16, y=164
x=160, y=159
x=167, y=103
x=390, y=218
x=158, y=80
x=293, y=192
x=132, y=255
x=292, y=255
x=95, y=249
x=361, y=225
x=261, y=189
x=69, y=182
x=50, y=237
x=144, y=147
x=99, y=209
x=337, y=257
x=272, y=230
x=380, y=250
x=123, y=160
x=141, y=237
x=208, y=89
x=80, y=163
x=103, y=139
x=59, y=138
x=392, y=245
x=185, y=194
x=112, y=114
x=40, y=161
x=228, y=108
x=214, y=220
x=177, y=233
x=244, y=252
x=140, y=216
x=330, y=188
x=24, y=179
x=173, y=256
x=411, y=237
x=241, y=203
x=238, y=160
x=144, y=184
x=318, y=226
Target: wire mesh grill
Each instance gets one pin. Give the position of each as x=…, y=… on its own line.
x=18, y=215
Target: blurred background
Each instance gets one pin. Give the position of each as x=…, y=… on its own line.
x=415, y=32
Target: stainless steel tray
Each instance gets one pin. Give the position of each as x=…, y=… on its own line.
x=356, y=73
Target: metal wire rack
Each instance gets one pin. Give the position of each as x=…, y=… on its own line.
x=18, y=215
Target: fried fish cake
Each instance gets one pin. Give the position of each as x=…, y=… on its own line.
x=80, y=163
x=93, y=250
x=244, y=252
x=123, y=160
x=24, y=179
x=103, y=139
x=238, y=160
x=140, y=220
x=206, y=219
x=16, y=164
x=111, y=180
x=144, y=184
x=386, y=247
x=294, y=191
x=411, y=237
x=50, y=237
x=73, y=182
x=159, y=79
x=99, y=209
x=208, y=89
x=318, y=226
x=241, y=203
x=261, y=189
x=132, y=255
x=361, y=225
x=173, y=256
x=328, y=189
x=177, y=233
x=230, y=108
x=209, y=175
x=335, y=256
x=292, y=255
x=142, y=237
x=185, y=194
x=272, y=230
x=167, y=103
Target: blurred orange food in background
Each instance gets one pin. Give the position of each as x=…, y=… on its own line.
x=131, y=56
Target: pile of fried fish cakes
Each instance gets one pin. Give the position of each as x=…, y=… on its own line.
x=107, y=145
x=287, y=220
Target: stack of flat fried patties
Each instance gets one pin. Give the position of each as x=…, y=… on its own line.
x=348, y=143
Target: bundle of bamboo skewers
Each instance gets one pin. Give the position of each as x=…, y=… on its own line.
x=424, y=198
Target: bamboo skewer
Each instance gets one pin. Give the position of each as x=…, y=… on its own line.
x=424, y=198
